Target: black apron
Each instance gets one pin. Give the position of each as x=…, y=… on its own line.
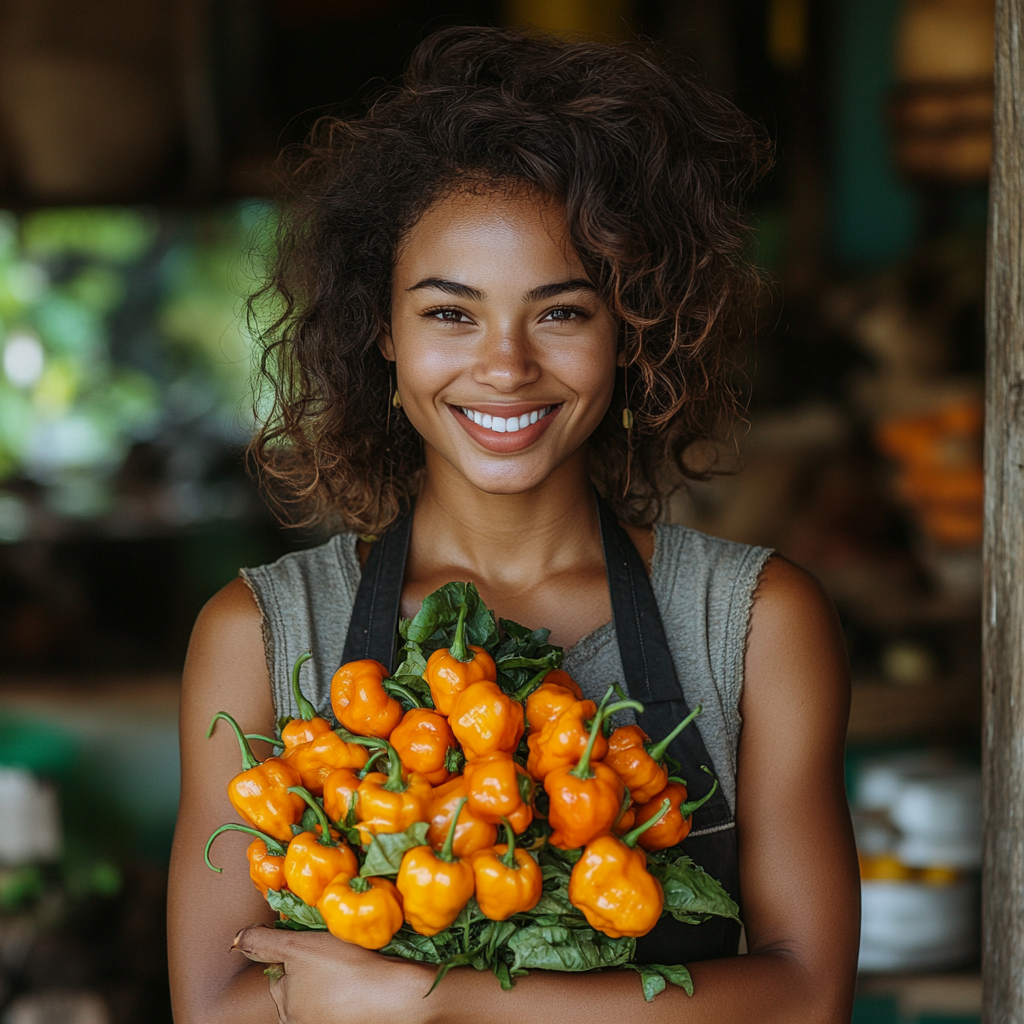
x=650, y=677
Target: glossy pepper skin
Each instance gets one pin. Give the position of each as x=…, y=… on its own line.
x=360, y=702
x=639, y=762
x=556, y=694
x=260, y=792
x=435, y=885
x=471, y=833
x=561, y=741
x=451, y=669
x=264, y=854
x=585, y=800
x=366, y=911
x=391, y=803
x=498, y=788
x=508, y=880
x=423, y=740
x=309, y=724
x=484, y=719
x=611, y=885
x=314, y=859
x=340, y=788
x=322, y=755
x=674, y=826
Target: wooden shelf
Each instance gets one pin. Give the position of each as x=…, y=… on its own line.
x=883, y=712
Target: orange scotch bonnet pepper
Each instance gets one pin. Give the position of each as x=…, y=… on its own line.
x=264, y=854
x=322, y=755
x=360, y=702
x=498, y=788
x=484, y=719
x=638, y=762
x=423, y=739
x=340, y=789
x=435, y=885
x=585, y=800
x=508, y=880
x=673, y=826
x=556, y=694
x=451, y=669
x=309, y=724
x=611, y=885
x=562, y=740
x=260, y=793
x=392, y=802
x=366, y=911
x=471, y=833
x=314, y=859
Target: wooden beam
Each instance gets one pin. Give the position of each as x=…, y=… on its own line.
x=1003, y=605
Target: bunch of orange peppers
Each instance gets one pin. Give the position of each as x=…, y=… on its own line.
x=399, y=807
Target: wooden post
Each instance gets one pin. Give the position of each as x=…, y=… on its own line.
x=1003, y=668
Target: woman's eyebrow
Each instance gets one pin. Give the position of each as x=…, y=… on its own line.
x=549, y=291
x=538, y=294
x=462, y=291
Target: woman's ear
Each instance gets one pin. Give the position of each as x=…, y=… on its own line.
x=620, y=359
x=386, y=346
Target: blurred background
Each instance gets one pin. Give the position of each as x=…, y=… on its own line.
x=136, y=151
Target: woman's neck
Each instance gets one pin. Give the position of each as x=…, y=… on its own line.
x=551, y=529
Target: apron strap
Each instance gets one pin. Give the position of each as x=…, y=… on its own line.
x=375, y=611
x=650, y=672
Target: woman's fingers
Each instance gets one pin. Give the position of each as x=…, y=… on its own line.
x=262, y=944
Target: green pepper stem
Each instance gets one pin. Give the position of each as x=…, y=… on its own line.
x=509, y=857
x=657, y=750
x=582, y=770
x=373, y=758
x=249, y=759
x=274, y=848
x=458, y=649
x=446, y=850
x=688, y=808
x=630, y=838
x=265, y=739
x=532, y=683
x=359, y=884
x=324, y=838
x=306, y=710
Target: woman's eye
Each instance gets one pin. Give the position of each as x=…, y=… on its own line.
x=562, y=314
x=448, y=316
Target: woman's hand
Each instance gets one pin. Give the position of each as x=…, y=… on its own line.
x=316, y=978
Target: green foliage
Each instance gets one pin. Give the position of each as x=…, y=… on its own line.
x=301, y=916
x=691, y=894
x=385, y=853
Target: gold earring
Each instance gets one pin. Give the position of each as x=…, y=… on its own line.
x=627, y=418
x=396, y=400
x=627, y=413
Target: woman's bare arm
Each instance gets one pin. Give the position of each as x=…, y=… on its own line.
x=225, y=671
x=797, y=859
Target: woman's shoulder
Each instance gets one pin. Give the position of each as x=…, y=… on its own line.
x=311, y=569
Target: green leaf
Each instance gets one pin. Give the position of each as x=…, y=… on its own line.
x=384, y=856
x=559, y=948
x=654, y=976
x=309, y=820
x=691, y=894
x=501, y=972
x=412, y=946
x=411, y=661
x=454, y=760
x=434, y=624
x=677, y=974
x=301, y=916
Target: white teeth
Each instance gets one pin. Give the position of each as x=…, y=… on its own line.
x=500, y=425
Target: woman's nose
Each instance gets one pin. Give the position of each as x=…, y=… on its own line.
x=506, y=360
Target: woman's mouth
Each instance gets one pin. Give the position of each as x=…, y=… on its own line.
x=517, y=429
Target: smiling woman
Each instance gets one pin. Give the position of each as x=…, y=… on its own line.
x=517, y=281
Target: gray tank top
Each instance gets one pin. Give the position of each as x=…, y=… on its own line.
x=704, y=587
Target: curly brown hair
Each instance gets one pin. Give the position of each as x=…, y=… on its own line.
x=651, y=168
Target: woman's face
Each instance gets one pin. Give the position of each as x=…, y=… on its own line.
x=505, y=355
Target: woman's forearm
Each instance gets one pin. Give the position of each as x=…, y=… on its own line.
x=769, y=988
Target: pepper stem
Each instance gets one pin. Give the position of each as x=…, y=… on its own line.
x=249, y=759
x=582, y=770
x=458, y=650
x=306, y=710
x=657, y=751
x=630, y=838
x=359, y=884
x=373, y=758
x=393, y=689
x=274, y=848
x=265, y=739
x=688, y=808
x=509, y=857
x=446, y=850
x=325, y=826
x=532, y=683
